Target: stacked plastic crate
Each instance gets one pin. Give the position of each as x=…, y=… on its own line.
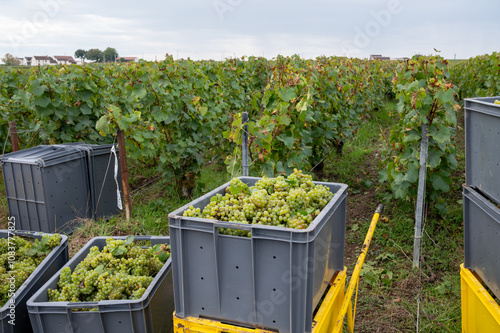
x=481, y=196
x=48, y=187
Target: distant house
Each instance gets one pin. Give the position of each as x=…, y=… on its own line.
x=378, y=57
x=20, y=60
x=127, y=59
x=42, y=61
x=27, y=61
x=65, y=60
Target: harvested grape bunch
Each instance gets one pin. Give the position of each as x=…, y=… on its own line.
x=121, y=270
x=19, y=257
x=291, y=202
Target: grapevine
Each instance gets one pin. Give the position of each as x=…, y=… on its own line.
x=122, y=270
x=174, y=112
x=478, y=76
x=425, y=97
x=291, y=202
x=27, y=256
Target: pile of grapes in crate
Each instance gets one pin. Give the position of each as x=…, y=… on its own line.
x=291, y=202
x=121, y=270
x=19, y=258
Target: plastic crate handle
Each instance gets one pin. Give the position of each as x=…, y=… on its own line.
x=232, y=225
x=81, y=305
x=27, y=233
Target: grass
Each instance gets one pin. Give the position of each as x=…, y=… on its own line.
x=390, y=288
x=151, y=205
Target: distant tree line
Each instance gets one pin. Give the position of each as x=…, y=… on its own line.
x=10, y=60
x=108, y=55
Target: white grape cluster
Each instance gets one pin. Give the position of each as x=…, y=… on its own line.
x=291, y=202
x=122, y=270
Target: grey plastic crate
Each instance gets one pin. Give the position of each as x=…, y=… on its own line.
x=482, y=238
x=482, y=135
x=273, y=279
x=47, y=187
x=152, y=313
x=101, y=165
x=47, y=268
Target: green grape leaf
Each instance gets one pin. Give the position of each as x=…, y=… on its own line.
x=103, y=126
x=288, y=141
x=439, y=183
x=216, y=198
x=442, y=135
x=162, y=251
x=119, y=250
x=158, y=114
x=287, y=93
x=445, y=96
x=139, y=92
x=240, y=188
x=37, y=90
x=452, y=159
x=203, y=110
x=434, y=158
x=284, y=120
x=302, y=105
x=42, y=101
x=129, y=240
x=412, y=136
x=412, y=174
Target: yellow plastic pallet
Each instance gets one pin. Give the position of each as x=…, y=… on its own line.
x=480, y=312
x=323, y=322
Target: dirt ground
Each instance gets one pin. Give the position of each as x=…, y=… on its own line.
x=382, y=312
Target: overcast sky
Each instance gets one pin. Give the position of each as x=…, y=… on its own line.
x=215, y=29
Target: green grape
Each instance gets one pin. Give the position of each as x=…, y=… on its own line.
x=267, y=184
x=193, y=212
x=64, y=277
x=54, y=295
x=137, y=294
x=259, y=198
x=53, y=240
x=28, y=254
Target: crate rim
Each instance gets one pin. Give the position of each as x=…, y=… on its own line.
x=481, y=200
x=335, y=200
x=70, y=153
x=46, y=307
x=482, y=100
x=488, y=102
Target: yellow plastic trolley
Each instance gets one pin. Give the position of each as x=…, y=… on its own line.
x=480, y=312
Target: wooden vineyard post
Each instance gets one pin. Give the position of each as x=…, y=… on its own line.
x=13, y=136
x=124, y=172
